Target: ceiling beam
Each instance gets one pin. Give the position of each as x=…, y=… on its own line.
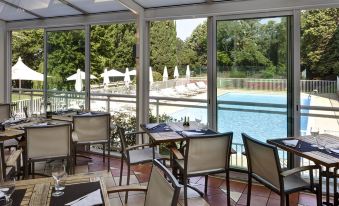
x=19, y=7
x=74, y=7
x=132, y=6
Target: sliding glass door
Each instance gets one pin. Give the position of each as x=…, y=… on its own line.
x=66, y=69
x=252, y=78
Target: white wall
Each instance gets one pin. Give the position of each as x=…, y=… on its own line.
x=2, y=61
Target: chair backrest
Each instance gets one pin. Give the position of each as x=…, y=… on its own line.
x=5, y=112
x=48, y=141
x=163, y=189
x=121, y=132
x=208, y=152
x=92, y=126
x=263, y=161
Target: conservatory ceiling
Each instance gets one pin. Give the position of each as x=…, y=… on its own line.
x=14, y=10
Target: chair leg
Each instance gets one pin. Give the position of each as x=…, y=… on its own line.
x=287, y=200
x=128, y=178
x=319, y=196
x=75, y=154
x=108, y=158
x=103, y=152
x=282, y=199
x=33, y=170
x=185, y=190
x=249, y=188
x=206, y=182
x=121, y=168
x=228, y=192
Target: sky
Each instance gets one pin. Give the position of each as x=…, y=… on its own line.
x=185, y=27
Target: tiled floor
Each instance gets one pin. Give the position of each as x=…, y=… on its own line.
x=216, y=196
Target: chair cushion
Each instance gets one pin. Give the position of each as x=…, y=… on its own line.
x=295, y=182
x=142, y=155
x=216, y=170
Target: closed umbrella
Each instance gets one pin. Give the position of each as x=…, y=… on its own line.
x=176, y=72
x=165, y=75
x=127, y=78
x=188, y=73
x=106, y=78
x=78, y=81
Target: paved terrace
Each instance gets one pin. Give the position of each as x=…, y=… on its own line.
x=216, y=196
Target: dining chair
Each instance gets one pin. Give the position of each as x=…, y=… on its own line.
x=162, y=189
x=135, y=154
x=92, y=128
x=47, y=142
x=204, y=155
x=5, y=112
x=264, y=166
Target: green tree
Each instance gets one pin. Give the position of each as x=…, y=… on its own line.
x=320, y=42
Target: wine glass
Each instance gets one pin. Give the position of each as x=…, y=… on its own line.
x=315, y=134
x=198, y=120
x=7, y=188
x=58, y=172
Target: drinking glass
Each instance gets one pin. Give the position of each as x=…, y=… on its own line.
x=7, y=188
x=58, y=172
x=198, y=120
x=315, y=135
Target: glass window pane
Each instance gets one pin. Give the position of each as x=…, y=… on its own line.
x=9, y=13
x=178, y=84
x=96, y=6
x=27, y=59
x=252, y=79
x=66, y=69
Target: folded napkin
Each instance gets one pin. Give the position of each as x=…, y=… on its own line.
x=42, y=124
x=151, y=126
x=187, y=133
x=291, y=143
x=93, y=198
x=87, y=114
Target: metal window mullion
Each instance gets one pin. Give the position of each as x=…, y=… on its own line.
x=87, y=66
x=211, y=74
x=8, y=65
x=45, y=69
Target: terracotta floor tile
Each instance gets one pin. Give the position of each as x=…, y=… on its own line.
x=259, y=191
x=307, y=199
x=255, y=200
x=212, y=181
x=218, y=200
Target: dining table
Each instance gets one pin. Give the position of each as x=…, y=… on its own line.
x=38, y=192
x=321, y=150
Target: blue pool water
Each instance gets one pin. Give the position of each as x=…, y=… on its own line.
x=260, y=122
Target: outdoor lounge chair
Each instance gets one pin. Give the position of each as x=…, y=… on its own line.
x=201, y=85
x=47, y=142
x=182, y=90
x=162, y=189
x=136, y=154
x=264, y=166
x=193, y=87
x=92, y=128
x=204, y=155
x=169, y=92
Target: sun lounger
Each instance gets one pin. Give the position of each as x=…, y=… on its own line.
x=168, y=92
x=193, y=88
x=182, y=90
x=201, y=85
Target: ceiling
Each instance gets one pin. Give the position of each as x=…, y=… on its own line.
x=15, y=10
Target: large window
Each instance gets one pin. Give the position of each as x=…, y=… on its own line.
x=319, y=70
x=178, y=72
x=252, y=65
x=27, y=71
x=66, y=69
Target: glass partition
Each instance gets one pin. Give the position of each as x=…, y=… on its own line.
x=178, y=72
x=66, y=69
x=252, y=65
x=27, y=71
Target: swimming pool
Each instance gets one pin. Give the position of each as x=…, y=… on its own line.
x=259, y=122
